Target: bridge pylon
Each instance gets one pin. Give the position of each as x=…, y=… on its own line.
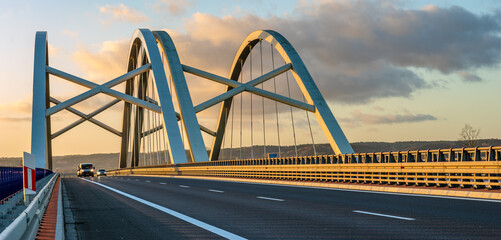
x=159, y=117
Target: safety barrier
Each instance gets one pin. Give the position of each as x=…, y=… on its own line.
x=460, y=167
x=25, y=226
x=11, y=180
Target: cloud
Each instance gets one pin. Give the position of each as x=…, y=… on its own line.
x=358, y=118
x=469, y=77
x=14, y=119
x=22, y=106
x=108, y=62
x=173, y=7
x=357, y=51
x=123, y=13
x=70, y=33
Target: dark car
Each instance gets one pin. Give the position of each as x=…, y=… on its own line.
x=85, y=169
x=101, y=172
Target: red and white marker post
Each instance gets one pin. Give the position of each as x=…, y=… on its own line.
x=29, y=177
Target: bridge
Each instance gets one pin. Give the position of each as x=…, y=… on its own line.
x=178, y=177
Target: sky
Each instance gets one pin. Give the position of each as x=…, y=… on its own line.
x=389, y=70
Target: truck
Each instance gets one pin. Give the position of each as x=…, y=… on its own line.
x=85, y=169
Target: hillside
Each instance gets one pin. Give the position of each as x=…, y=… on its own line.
x=69, y=163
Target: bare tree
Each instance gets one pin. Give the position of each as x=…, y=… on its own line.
x=469, y=135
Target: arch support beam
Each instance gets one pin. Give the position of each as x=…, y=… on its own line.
x=40, y=125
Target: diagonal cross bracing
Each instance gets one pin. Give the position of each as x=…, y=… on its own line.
x=88, y=117
x=240, y=87
x=104, y=88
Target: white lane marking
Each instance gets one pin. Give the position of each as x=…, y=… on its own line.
x=353, y=190
x=384, y=215
x=163, y=183
x=206, y=226
x=272, y=199
x=137, y=180
x=184, y=186
x=147, y=181
x=217, y=191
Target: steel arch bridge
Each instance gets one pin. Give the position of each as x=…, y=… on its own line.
x=157, y=99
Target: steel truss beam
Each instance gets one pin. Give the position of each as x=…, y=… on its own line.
x=249, y=87
x=88, y=117
x=104, y=88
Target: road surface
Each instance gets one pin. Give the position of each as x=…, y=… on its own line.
x=126, y=207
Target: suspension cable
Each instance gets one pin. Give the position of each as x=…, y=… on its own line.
x=262, y=98
x=141, y=118
x=292, y=115
x=251, y=122
x=241, y=107
x=309, y=125
x=150, y=118
x=155, y=124
x=224, y=135
x=232, y=114
x=276, y=104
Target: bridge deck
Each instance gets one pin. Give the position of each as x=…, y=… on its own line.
x=257, y=211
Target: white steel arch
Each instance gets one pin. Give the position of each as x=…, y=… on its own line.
x=328, y=122
x=145, y=60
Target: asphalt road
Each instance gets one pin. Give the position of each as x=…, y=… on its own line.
x=258, y=211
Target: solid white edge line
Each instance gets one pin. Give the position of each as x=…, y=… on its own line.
x=272, y=199
x=173, y=213
x=384, y=215
x=217, y=191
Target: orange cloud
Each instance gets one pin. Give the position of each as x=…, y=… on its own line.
x=108, y=62
x=123, y=13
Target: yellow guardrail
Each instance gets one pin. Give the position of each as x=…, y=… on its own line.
x=460, y=167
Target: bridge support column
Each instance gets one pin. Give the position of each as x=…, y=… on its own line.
x=40, y=131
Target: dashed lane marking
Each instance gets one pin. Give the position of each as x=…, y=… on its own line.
x=384, y=215
x=272, y=199
x=198, y=223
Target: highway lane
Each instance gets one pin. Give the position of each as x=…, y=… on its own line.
x=257, y=211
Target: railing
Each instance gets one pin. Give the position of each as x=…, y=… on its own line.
x=11, y=180
x=26, y=224
x=460, y=167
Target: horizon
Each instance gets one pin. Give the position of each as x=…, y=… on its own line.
x=385, y=73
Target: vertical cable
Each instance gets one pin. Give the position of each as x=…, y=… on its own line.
x=241, y=107
x=292, y=115
x=225, y=128
x=276, y=104
x=232, y=120
x=150, y=157
x=309, y=125
x=157, y=131
x=262, y=98
x=252, y=121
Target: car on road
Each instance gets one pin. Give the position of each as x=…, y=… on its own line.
x=101, y=172
x=85, y=169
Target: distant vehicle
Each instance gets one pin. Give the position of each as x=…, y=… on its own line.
x=85, y=169
x=101, y=172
